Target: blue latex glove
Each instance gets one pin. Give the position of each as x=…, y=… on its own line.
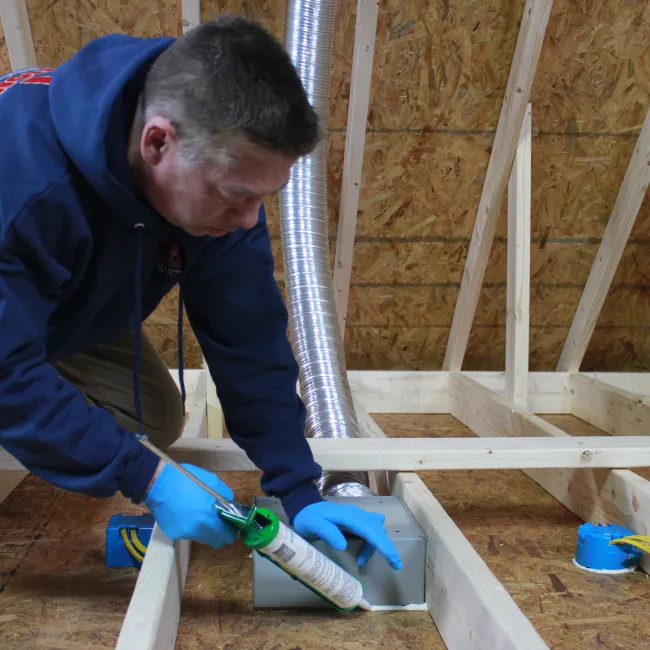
x=324, y=519
x=185, y=511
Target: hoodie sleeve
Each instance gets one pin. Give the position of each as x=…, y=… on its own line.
x=45, y=421
x=238, y=315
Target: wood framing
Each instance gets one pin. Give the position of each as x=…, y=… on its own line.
x=355, y=138
x=619, y=226
x=18, y=34
x=613, y=410
x=589, y=475
x=545, y=449
x=151, y=621
x=470, y=607
x=191, y=14
x=529, y=45
x=518, y=289
x=381, y=481
x=598, y=496
x=412, y=454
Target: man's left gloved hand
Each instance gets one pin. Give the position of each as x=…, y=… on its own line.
x=324, y=519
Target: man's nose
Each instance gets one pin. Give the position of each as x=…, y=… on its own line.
x=249, y=215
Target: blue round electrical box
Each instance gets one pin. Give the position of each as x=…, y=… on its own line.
x=594, y=551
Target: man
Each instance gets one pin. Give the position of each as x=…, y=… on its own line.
x=137, y=165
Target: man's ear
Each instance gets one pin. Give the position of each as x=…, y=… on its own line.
x=158, y=136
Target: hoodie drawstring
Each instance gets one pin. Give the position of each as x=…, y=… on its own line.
x=139, y=232
x=181, y=380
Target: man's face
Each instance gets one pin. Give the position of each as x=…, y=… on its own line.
x=212, y=199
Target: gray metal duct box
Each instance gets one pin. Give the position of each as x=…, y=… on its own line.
x=275, y=589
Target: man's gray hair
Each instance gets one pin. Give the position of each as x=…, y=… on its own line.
x=230, y=82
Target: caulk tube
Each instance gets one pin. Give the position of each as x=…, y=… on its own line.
x=284, y=547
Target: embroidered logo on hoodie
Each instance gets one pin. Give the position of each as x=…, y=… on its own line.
x=39, y=76
x=170, y=259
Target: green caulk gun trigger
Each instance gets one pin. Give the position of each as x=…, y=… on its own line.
x=262, y=530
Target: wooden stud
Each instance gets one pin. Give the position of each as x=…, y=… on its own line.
x=191, y=14
x=18, y=34
x=619, y=226
x=615, y=411
x=364, y=50
x=529, y=45
x=518, y=292
x=595, y=495
x=470, y=607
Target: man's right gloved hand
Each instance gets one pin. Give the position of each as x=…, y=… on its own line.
x=183, y=510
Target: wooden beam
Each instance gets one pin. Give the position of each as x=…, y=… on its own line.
x=18, y=34
x=613, y=410
x=470, y=607
x=362, y=58
x=191, y=14
x=518, y=291
x=619, y=226
x=414, y=454
x=595, y=495
x=529, y=44
x=382, y=391
x=411, y=454
x=151, y=621
x=381, y=481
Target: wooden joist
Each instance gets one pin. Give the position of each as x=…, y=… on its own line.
x=613, y=410
x=529, y=45
x=151, y=621
x=412, y=454
x=595, y=495
x=470, y=607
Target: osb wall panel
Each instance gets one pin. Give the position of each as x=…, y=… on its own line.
x=438, y=80
x=61, y=28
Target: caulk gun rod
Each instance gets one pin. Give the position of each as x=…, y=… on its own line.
x=167, y=459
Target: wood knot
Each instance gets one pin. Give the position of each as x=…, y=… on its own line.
x=587, y=456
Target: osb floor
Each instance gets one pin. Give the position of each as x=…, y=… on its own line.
x=56, y=593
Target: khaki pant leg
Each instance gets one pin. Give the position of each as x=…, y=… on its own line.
x=105, y=376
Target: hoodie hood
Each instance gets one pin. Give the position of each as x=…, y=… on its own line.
x=93, y=98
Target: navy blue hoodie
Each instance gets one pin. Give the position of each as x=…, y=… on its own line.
x=75, y=271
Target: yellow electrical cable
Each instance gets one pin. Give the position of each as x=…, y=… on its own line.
x=135, y=540
x=641, y=542
x=129, y=547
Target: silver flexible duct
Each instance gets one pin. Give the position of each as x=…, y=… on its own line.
x=315, y=335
